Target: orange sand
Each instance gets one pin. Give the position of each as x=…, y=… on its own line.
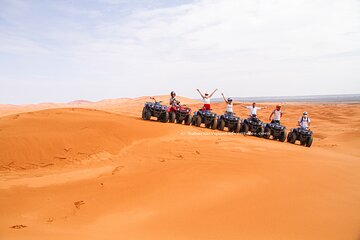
x=100, y=172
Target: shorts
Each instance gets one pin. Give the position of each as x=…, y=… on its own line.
x=206, y=107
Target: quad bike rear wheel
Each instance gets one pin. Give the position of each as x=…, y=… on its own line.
x=172, y=117
x=309, y=142
x=260, y=133
x=188, y=119
x=282, y=136
x=165, y=117
x=221, y=124
x=245, y=128
x=179, y=121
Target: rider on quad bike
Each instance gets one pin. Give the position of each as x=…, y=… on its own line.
x=207, y=99
x=205, y=115
x=253, y=109
x=228, y=119
x=274, y=128
x=277, y=113
x=177, y=112
x=155, y=109
x=253, y=123
x=302, y=133
x=173, y=99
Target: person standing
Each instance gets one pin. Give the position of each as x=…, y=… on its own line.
x=277, y=113
x=207, y=99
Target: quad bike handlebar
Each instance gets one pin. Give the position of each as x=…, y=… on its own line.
x=155, y=100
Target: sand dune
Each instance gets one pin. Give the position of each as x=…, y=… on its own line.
x=126, y=106
x=96, y=174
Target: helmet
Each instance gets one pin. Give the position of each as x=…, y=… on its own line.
x=173, y=93
x=206, y=93
x=229, y=99
x=305, y=113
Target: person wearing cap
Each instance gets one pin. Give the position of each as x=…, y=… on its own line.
x=207, y=99
x=253, y=109
x=229, y=104
x=173, y=99
x=304, y=121
x=277, y=113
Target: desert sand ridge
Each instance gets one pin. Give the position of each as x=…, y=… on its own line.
x=99, y=171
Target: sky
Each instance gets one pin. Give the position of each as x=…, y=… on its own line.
x=62, y=50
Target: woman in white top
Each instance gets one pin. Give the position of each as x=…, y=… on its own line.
x=277, y=115
x=206, y=99
x=229, y=104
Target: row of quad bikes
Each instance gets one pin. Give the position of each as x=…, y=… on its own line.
x=182, y=114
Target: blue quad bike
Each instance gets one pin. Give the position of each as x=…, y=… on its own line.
x=304, y=135
x=275, y=130
x=206, y=117
x=253, y=125
x=155, y=109
x=229, y=121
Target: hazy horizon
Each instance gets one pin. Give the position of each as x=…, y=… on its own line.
x=100, y=49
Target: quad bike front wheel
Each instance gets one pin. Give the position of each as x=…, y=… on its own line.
x=309, y=142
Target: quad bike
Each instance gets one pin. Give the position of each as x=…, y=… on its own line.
x=302, y=134
x=252, y=124
x=155, y=109
x=229, y=120
x=180, y=114
x=205, y=116
x=275, y=130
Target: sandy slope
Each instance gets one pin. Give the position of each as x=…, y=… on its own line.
x=148, y=180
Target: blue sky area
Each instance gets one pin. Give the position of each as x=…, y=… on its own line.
x=58, y=51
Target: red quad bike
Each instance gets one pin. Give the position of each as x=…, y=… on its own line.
x=180, y=114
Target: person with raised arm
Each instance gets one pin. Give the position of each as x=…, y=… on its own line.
x=207, y=99
x=229, y=104
x=253, y=109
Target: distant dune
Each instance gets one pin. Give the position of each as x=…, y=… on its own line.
x=309, y=98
